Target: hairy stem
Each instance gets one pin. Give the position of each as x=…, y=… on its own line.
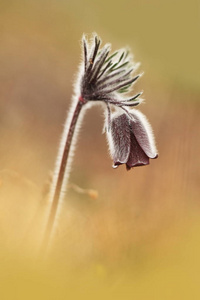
x=58, y=186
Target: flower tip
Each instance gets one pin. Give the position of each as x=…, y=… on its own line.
x=128, y=168
x=141, y=92
x=141, y=74
x=137, y=164
x=115, y=166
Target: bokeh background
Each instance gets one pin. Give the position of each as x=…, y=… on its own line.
x=140, y=238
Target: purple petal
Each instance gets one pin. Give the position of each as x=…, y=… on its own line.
x=137, y=156
x=120, y=134
x=143, y=133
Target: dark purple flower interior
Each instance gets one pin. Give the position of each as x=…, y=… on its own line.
x=137, y=157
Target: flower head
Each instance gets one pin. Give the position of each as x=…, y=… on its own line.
x=131, y=140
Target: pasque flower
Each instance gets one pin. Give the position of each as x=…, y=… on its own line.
x=104, y=78
x=131, y=140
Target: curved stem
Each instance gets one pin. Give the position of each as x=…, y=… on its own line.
x=60, y=178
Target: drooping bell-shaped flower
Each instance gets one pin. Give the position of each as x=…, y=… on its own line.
x=131, y=140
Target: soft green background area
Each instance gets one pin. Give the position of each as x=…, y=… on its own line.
x=164, y=35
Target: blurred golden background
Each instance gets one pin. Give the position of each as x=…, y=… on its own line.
x=140, y=239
